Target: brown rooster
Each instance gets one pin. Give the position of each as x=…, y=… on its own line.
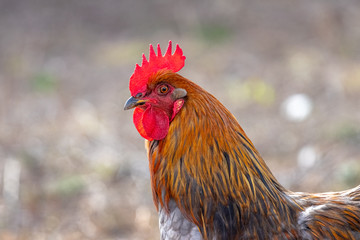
x=207, y=178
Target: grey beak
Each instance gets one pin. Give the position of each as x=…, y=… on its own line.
x=133, y=102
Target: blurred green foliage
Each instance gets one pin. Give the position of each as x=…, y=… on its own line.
x=349, y=173
x=347, y=131
x=44, y=82
x=215, y=32
x=252, y=90
x=67, y=186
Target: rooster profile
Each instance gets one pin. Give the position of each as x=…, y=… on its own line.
x=208, y=180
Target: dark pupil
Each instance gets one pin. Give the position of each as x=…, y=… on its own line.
x=163, y=89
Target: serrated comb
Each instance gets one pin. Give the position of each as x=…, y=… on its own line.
x=140, y=77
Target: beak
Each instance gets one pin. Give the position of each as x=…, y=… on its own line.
x=133, y=102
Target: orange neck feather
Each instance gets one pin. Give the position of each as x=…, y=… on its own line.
x=207, y=164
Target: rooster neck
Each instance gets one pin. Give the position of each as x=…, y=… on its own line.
x=208, y=166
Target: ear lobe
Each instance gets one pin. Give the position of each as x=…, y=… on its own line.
x=177, y=106
x=178, y=93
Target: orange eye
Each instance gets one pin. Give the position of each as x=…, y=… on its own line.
x=163, y=89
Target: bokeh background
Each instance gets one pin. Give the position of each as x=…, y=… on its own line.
x=72, y=165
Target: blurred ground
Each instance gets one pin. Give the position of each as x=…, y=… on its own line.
x=72, y=165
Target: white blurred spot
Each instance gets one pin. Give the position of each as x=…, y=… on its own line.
x=307, y=157
x=12, y=170
x=297, y=107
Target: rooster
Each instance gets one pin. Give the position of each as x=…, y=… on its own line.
x=208, y=180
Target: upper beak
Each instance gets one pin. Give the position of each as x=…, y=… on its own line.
x=133, y=102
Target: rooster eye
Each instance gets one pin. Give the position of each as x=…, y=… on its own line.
x=163, y=89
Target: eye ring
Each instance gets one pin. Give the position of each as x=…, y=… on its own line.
x=163, y=89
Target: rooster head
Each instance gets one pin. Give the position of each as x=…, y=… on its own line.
x=155, y=99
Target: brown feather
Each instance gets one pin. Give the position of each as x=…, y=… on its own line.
x=219, y=181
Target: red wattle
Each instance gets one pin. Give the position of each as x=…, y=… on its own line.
x=152, y=123
x=137, y=119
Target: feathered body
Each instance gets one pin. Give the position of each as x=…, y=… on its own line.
x=209, y=181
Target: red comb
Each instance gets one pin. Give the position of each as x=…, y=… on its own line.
x=140, y=77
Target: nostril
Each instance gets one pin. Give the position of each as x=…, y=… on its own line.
x=139, y=95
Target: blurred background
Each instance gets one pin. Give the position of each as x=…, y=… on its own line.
x=72, y=165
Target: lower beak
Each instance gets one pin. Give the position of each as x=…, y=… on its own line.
x=133, y=102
